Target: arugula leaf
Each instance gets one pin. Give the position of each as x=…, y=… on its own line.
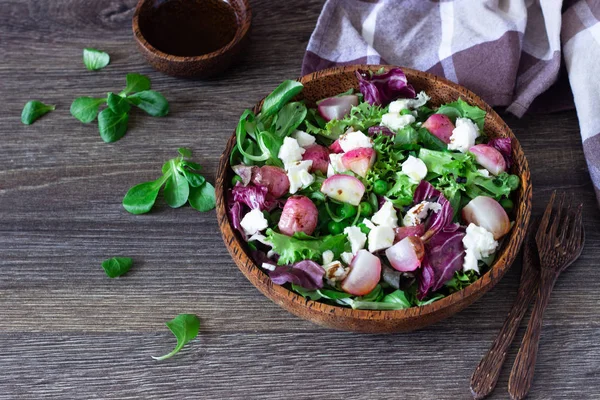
x=303, y=247
x=289, y=118
x=112, y=126
x=117, y=104
x=136, y=83
x=140, y=198
x=185, y=327
x=95, y=59
x=203, y=198
x=86, y=108
x=150, y=101
x=280, y=96
x=117, y=266
x=461, y=108
x=34, y=109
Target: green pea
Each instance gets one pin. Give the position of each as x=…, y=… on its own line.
x=380, y=187
x=348, y=211
x=235, y=180
x=507, y=204
x=513, y=182
x=335, y=228
x=366, y=209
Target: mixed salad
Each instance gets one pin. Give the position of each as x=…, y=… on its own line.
x=373, y=199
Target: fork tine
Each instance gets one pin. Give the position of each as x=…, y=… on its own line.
x=545, y=219
x=557, y=216
x=570, y=213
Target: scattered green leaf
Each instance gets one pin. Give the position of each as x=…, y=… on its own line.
x=33, y=110
x=86, y=108
x=117, y=266
x=185, y=327
x=112, y=126
x=95, y=59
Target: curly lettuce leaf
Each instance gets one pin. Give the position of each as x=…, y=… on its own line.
x=292, y=249
x=361, y=118
x=462, y=109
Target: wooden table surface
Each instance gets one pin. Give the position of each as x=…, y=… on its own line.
x=69, y=332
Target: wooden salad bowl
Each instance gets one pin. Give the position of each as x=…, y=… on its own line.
x=330, y=82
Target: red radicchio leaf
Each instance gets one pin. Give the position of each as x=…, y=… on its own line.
x=380, y=130
x=235, y=215
x=444, y=255
x=503, y=145
x=245, y=172
x=436, y=220
x=307, y=274
x=405, y=231
x=254, y=196
x=381, y=89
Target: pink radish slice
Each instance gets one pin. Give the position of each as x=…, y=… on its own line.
x=359, y=160
x=335, y=147
x=489, y=158
x=337, y=107
x=487, y=213
x=364, y=275
x=406, y=255
x=319, y=155
x=440, y=126
x=299, y=215
x=274, y=178
x=344, y=188
x=406, y=231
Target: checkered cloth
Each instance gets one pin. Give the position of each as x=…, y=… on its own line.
x=507, y=51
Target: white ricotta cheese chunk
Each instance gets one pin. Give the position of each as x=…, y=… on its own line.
x=386, y=216
x=335, y=161
x=327, y=257
x=419, y=212
x=403, y=104
x=304, y=139
x=368, y=223
x=381, y=237
x=347, y=257
x=415, y=168
x=463, y=135
x=254, y=221
x=290, y=151
x=335, y=272
x=484, y=172
x=269, y=267
x=353, y=140
x=356, y=238
x=299, y=176
x=479, y=243
x=395, y=121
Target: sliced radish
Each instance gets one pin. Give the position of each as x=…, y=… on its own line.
x=440, y=126
x=344, y=188
x=299, y=215
x=487, y=213
x=319, y=155
x=406, y=255
x=489, y=158
x=359, y=160
x=406, y=231
x=364, y=275
x=274, y=178
x=337, y=107
x=335, y=147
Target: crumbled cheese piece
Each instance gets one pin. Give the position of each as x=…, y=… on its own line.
x=327, y=257
x=299, y=176
x=269, y=267
x=403, y=104
x=386, y=216
x=270, y=253
x=335, y=272
x=381, y=237
x=335, y=161
x=395, y=121
x=356, y=238
x=353, y=140
x=368, y=223
x=330, y=170
x=484, y=172
x=304, y=139
x=479, y=243
x=347, y=257
x=418, y=213
x=254, y=221
x=290, y=151
x=463, y=135
x=415, y=168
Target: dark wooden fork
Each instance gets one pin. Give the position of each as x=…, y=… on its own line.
x=560, y=240
x=485, y=376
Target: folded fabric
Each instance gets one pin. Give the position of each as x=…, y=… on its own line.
x=507, y=51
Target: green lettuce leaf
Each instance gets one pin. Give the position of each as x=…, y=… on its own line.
x=303, y=247
x=462, y=109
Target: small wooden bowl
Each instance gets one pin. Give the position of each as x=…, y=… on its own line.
x=331, y=82
x=202, y=66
